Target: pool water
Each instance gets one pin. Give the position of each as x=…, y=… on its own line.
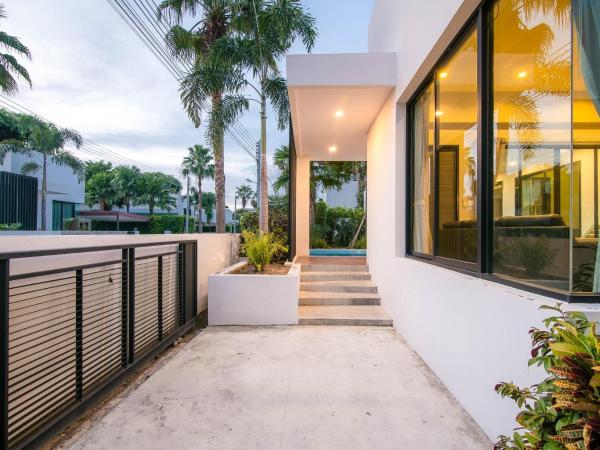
x=338, y=252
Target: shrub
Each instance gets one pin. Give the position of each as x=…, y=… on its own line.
x=318, y=243
x=9, y=226
x=261, y=248
x=361, y=243
x=561, y=412
x=159, y=223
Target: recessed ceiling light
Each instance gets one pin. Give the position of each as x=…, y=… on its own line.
x=522, y=74
x=333, y=149
x=443, y=74
x=439, y=113
x=339, y=114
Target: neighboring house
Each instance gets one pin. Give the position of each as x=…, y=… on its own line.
x=345, y=197
x=178, y=210
x=65, y=194
x=482, y=187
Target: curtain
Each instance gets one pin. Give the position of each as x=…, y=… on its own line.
x=422, y=239
x=586, y=17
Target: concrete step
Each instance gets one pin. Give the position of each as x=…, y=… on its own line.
x=309, y=298
x=339, y=286
x=334, y=276
x=334, y=268
x=363, y=315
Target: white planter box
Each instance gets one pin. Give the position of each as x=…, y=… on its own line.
x=253, y=299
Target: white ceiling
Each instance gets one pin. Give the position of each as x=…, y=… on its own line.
x=321, y=85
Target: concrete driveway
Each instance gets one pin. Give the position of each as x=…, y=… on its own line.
x=288, y=388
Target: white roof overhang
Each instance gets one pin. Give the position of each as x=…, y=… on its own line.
x=335, y=99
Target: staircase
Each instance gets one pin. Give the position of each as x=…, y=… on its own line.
x=332, y=294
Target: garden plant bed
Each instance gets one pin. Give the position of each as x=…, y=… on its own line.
x=239, y=295
x=271, y=269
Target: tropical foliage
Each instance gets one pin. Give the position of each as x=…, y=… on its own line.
x=212, y=84
x=262, y=33
x=261, y=248
x=199, y=162
x=49, y=141
x=562, y=411
x=245, y=194
x=157, y=190
x=9, y=65
x=336, y=227
x=159, y=223
x=281, y=160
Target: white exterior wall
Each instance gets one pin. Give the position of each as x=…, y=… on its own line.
x=472, y=333
x=63, y=185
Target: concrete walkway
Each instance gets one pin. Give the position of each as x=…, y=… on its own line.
x=288, y=388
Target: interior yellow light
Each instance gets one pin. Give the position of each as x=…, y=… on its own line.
x=439, y=113
x=443, y=74
x=333, y=149
x=339, y=114
x=522, y=74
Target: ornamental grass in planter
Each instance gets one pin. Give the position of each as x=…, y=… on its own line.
x=563, y=411
x=261, y=249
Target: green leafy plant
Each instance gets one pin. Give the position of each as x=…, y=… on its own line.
x=318, y=243
x=159, y=223
x=563, y=411
x=9, y=226
x=260, y=248
x=534, y=255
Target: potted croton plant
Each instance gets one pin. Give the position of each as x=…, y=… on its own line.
x=255, y=291
x=562, y=412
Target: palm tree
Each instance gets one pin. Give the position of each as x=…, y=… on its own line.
x=244, y=193
x=199, y=162
x=94, y=167
x=211, y=81
x=325, y=175
x=126, y=183
x=281, y=160
x=264, y=30
x=9, y=66
x=186, y=171
x=49, y=141
x=157, y=190
x=100, y=188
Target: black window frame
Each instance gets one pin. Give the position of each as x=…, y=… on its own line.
x=482, y=22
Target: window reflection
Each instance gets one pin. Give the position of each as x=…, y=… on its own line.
x=586, y=144
x=456, y=170
x=532, y=139
x=423, y=141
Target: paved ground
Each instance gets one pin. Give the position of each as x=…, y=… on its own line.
x=288, y=388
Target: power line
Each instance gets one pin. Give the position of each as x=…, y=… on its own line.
x=87, y=146
x=133, y=20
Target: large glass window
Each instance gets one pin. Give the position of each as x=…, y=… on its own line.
x=456, y=153
x=423, y=143
x=532, y=142
x=586, y=145
x=541, y=148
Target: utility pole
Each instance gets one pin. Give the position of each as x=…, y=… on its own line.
x=258, y=164
x=187, y=212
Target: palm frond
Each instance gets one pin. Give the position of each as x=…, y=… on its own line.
x=30, y=167
x=13, y=43
x=13, y=146
x=10, y=63
x=276, y=90
x=176, y=9
x=181, y=42
x=67, y=159
x=194, y=96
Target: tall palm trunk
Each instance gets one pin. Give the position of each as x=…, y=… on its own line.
x=187, y=211
x=220, y=183
x=44, y=190
x=199, y=204
x=263, y=216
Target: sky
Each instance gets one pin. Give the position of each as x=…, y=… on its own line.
x=91, y=73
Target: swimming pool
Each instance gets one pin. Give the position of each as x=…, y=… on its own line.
x=338, y=252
